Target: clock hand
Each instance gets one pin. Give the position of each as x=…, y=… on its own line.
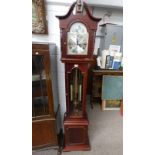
x=77, y=41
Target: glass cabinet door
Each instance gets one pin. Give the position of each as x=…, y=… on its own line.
x=40, y=105
x=75, y=86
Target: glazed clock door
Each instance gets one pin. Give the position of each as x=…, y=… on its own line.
x=43, y=119
x=75, y=86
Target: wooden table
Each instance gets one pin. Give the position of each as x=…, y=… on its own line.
x=97, y=82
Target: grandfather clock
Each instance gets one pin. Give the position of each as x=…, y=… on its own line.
x=78, y=29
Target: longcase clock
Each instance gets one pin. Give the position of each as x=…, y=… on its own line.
x=78, y=28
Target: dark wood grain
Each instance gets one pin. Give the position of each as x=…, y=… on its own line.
x=76, y=133
x=43, y=133
x=101, y=72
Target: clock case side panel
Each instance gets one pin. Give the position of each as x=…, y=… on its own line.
x=84, y=70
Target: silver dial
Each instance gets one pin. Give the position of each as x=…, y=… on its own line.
x=77, y=39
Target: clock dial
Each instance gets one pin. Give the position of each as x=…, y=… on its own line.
x=77, y=39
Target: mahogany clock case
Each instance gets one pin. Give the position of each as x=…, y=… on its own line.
x=76, y=76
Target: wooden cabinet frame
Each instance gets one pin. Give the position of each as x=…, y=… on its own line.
x=44, y=126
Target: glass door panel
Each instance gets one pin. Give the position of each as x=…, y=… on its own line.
x=39, y=88
x=75, y=86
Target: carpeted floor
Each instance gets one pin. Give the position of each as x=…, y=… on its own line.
x=105, y=134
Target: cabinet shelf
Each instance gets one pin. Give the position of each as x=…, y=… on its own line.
x=37, y=77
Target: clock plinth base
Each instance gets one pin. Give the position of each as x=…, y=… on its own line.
x=76, y=134
x=76, y=148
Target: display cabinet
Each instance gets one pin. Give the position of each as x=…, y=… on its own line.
x=43, y=116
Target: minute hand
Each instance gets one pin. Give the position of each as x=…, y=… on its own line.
x=77, y=41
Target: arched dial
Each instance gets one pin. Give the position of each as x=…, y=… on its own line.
x=77, y=39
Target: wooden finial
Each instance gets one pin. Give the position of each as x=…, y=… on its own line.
x=79, y=6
